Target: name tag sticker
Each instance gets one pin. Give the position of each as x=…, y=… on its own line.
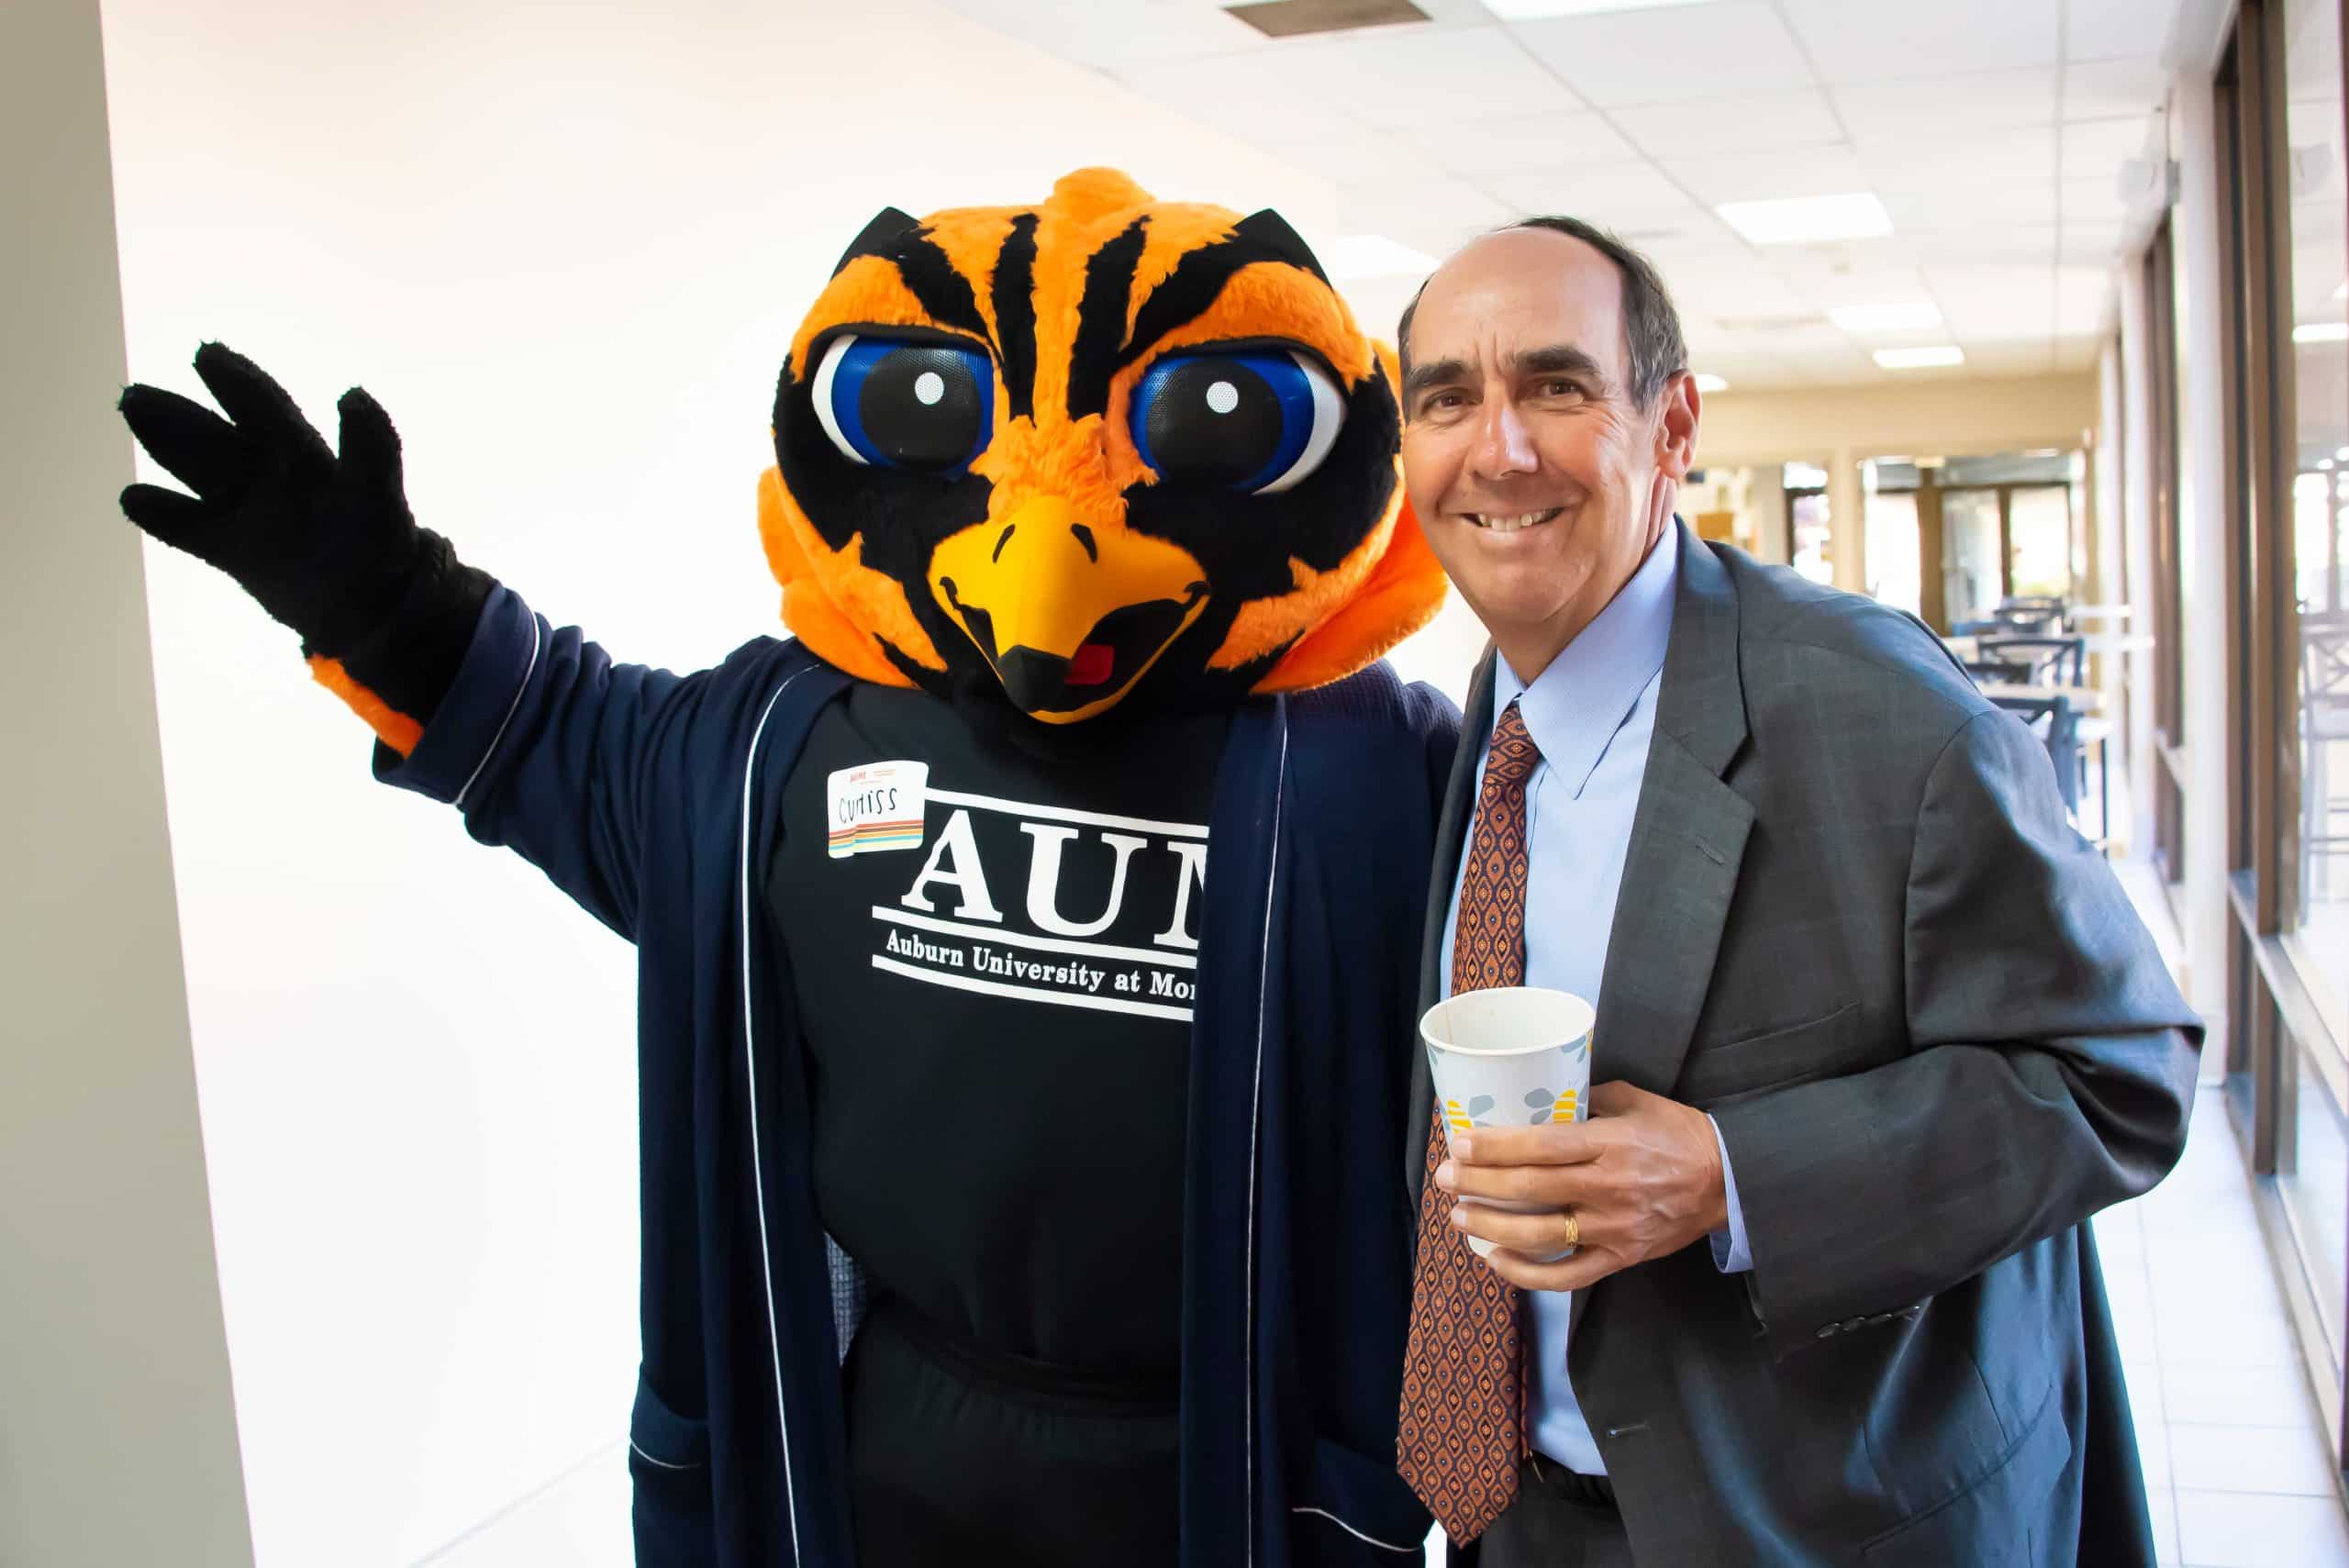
x=874, y=806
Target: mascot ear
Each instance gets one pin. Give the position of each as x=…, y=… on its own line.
x=1271, y=230
x=880, y=236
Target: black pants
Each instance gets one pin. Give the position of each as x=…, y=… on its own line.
x=957, y=1457
x=1559, y=1521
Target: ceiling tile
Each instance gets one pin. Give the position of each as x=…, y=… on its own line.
x=1769, y=176
x=2027, y=356
x=1422, y=76
x=1863, y=40
x=1955, y=106
x=2099, y=148
x=1995, y=243
x=2094, y=200
x=1733, y=125
x=2088, y=242
x=1994, y=301
x=1359, y=157
x=1248, y=95
x=1116, y=32
x=1734, y=287
x=1961, y=207
x=1534, y=141
x=1626, y=196
x=1435, y=215
x=2016, y=154
x=1679, y=54
x=2106, y=89
x=2101, y=29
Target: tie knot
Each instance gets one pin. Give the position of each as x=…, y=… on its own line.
x=1514, y=756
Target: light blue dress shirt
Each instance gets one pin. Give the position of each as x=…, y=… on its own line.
x=1592, y=713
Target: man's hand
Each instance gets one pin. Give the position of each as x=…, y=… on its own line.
x=1642, y=1179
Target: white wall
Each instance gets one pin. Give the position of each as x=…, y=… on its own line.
x=117, y=1438
x=566, y=247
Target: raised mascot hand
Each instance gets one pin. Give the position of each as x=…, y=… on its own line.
x=325, y=541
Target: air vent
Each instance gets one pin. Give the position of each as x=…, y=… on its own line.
x=1294, y=18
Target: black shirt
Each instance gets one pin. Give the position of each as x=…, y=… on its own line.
x=994, y=966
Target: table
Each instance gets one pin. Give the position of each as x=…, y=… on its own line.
x=2084, y=699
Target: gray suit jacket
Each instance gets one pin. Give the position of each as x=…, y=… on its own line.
x=1855, y=926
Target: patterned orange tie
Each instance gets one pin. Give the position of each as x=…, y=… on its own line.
x=1462, y=1433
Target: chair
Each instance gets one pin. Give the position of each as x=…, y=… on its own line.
x=2066, y=657
x=2053, y=720
x=1996, y=671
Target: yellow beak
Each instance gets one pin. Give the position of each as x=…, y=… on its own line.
x=1069, y=614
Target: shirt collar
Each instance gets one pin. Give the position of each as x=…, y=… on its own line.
x=1574, y=709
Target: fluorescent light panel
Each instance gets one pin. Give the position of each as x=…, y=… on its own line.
x=1851, y=214
x=1535, y=10
x=1919, y=358
x=1374, y=256
x=1885, y=317
x=1707, y=382
x=2322, y=333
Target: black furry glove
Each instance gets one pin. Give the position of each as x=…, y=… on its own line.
x=325, y=541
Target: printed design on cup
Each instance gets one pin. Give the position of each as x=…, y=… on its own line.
x=1548, y=1107
x=1544, y=1107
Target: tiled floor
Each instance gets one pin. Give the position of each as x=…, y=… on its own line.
x=2236, y=1468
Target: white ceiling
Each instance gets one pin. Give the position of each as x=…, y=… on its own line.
x=1993, y=131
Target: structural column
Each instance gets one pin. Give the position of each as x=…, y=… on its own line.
x=1848, y=519
x=118, y=1433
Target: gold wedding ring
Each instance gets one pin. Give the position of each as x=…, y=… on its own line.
x=1574, y=1229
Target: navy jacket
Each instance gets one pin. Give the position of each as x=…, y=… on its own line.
x=654, y=801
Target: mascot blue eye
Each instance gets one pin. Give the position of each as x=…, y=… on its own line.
x=1258, y=420
x=894, y=403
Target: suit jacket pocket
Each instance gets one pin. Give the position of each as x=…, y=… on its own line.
x=1351, y=1510
x=668, y=1459
x=1773, y=1059
x=1991, y=1523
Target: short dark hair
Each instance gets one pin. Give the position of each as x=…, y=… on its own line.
x=1650, y=323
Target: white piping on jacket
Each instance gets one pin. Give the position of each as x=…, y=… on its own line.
x=1367, y=1539
x=511, y=709
x=758, y=1171
x=1255, y=1122
x=661, y=1463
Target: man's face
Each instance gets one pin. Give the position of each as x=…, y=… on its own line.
x=1539, y=481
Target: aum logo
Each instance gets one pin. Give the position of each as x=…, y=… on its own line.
x=1055, y=906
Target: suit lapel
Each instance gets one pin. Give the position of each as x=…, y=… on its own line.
x=1687, y=840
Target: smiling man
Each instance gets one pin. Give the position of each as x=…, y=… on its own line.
x=1877, y=1032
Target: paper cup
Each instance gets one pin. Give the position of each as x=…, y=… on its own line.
x=1511, y=1056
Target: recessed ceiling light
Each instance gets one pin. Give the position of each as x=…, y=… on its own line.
x=1885, y=317
x=2322, y=333
x=1854, y=214
x=1531, y=10
x=1707, y=382
x=1919, y=358
x=1374, y=256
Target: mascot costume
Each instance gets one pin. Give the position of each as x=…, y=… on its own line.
x=1013, y=1190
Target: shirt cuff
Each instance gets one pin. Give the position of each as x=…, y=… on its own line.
x=1730, y=1253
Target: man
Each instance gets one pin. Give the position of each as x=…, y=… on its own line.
x=1881, y=1031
